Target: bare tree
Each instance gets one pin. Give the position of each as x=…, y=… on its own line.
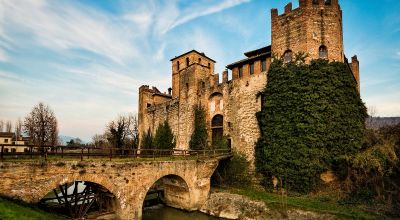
x=41, y=126
x=99, y=141
x=1, y=125
x=8, y=126
x=18, y=128
x=123, y=131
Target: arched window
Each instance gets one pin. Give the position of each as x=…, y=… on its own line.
x=323, y=52
x=328, y=2
x=199, y=60
x=177, y=65
x=217, y=123
x=187, y=61
x=287, y=56
x=315, y=2
x=209, y=65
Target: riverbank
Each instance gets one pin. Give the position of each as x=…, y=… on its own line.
x=251, y=203
x=11, y=210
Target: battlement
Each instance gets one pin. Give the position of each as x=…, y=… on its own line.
x=306, y=5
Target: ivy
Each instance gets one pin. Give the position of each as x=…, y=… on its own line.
x=312, y=117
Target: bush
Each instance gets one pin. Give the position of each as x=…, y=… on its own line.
x=198, y=140
x=164, y=138
x=312, y=116
x=232, y=172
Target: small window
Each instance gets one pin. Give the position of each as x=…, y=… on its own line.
x=328, y=2
x=199, y=60
x=203, y=85
x=323, y=52
x=187, y=61
x=240, y=71
x=187, y=86
x=13, y=150
x=5, y=140
x=148, y=105
x=251, y=68
x=263, y=66
x=5, y=150
x=26, y=150
x=209, y=65
x=287, y=56
x=177, y=65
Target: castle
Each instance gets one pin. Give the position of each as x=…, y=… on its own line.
x=231, y=105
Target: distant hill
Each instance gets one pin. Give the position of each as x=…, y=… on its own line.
x=378, y=122
x=64, y=139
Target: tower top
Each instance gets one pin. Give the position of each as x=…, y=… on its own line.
x=315, y=27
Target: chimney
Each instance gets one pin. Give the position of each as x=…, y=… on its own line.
x=169, y=91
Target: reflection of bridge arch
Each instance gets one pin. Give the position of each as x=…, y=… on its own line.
x=80, y=199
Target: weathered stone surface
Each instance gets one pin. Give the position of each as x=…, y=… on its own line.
x=232, y=206
x=304, y=29
x=187, y=182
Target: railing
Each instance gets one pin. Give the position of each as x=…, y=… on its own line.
x=66, y=152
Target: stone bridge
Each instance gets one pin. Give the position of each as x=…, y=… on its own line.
x=186, y=182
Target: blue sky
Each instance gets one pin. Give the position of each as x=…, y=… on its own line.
x=87, y=58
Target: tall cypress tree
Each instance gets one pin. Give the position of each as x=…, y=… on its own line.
x=164, y=138
x=147, y=140
x=198, y=139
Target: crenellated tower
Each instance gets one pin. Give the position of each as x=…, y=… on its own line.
x=315, y=28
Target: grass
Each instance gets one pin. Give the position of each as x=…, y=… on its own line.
x=321, y=204
x=10, y=210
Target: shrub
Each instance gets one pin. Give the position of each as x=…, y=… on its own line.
x=232, y=172
x=312, y=116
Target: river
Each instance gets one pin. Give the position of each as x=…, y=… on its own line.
x=161, y=212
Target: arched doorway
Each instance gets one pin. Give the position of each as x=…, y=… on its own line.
x=217, y=128
x=80, y=200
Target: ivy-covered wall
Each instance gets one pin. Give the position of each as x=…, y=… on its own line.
x=312, y=118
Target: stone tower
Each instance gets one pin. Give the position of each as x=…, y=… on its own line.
x=315, y=28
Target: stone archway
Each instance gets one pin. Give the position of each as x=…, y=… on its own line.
x=179, y=192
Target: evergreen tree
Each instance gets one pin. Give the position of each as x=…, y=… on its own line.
x=198, y=139
x=164, y=138
x=147, y=140
x=312, y=119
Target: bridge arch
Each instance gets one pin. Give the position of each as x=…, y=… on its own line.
x=54, y=182
x=177, y=191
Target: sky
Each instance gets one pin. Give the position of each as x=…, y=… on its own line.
x=87, y=58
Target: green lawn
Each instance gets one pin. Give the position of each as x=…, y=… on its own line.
x=321, y=204
x=10, y=210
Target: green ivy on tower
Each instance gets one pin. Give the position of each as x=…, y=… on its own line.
x=312, y=119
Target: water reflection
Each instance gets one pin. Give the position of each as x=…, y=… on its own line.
x=161, y=212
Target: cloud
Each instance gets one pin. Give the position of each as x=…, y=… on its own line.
x=3, y=56
x=194, y=11
x=62, y=27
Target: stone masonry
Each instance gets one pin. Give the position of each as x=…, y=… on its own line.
x=186, y=182
x=314, y=28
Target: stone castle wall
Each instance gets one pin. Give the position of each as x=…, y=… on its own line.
x=304, y=29
x=308, y=27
